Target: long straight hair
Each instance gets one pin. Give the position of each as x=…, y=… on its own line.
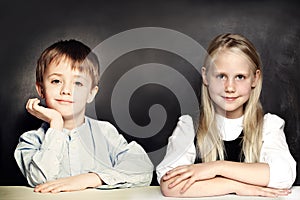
x=209, y=141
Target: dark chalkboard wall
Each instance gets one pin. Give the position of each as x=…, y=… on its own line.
x=28, y=28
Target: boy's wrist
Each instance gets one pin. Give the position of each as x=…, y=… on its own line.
x=96, y=181
x=57, y=124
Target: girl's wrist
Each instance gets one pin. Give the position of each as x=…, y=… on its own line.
x=219, y=166
x=237, y=187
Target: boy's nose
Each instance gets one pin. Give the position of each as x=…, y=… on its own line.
x=66, y=90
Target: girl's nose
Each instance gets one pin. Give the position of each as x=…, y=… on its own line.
x=229, y=86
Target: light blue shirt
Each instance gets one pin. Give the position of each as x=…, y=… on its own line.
x=95, y=146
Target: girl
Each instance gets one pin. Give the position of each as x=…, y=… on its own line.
x=236, y=149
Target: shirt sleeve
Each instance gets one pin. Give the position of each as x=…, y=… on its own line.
x=275, y=152
x=181, y=149
x=38, y=155
x=130, y=164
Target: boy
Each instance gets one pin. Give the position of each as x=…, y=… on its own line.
x=71, y=151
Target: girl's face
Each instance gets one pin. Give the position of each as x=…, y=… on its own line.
x=67, y=90
x=230, y=81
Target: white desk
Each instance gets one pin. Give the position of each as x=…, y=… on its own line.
x=151, y=192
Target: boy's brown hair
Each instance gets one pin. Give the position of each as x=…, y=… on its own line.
x=80, y=56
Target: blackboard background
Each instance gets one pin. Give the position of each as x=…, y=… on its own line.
x=30, y=26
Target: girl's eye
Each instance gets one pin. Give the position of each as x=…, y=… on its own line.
x=77, y=83
x=55, y=81
x=240, y=77
x=221, y=76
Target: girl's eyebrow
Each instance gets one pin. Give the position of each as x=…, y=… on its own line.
x=236, y=73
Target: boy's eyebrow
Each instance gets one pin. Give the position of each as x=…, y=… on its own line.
x=54, y=74
x=61, y=74
x=80, y=76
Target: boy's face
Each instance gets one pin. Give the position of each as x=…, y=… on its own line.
x=67, y=90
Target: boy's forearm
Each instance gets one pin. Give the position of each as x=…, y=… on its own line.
x=36, y=150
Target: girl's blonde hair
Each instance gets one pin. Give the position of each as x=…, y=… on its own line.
x=209, y=142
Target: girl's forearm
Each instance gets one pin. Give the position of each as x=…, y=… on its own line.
x=251, y=173
x=211, y=187
x=220, y=186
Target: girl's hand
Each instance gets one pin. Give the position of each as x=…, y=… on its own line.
x=53, y=117
x=253, y=190
x=191, y=173
x=72, y=183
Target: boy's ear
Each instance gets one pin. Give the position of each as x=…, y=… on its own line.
x=256, y=78
x=92, y=94
x=39, y=89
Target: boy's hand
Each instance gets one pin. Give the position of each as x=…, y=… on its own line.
x=51, y=116
x=73, y=183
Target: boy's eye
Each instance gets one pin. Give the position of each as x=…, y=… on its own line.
x=77, y=83
x=240, y=77
x=55, y=81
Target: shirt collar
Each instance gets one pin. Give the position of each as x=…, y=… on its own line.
x=229, y=129
x=77, y=129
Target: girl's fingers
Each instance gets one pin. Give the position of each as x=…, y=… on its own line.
x=179, y=179
x=279, y=192
x=175, y=172
x=272, y=192
x=178, y=168
x=188, y=184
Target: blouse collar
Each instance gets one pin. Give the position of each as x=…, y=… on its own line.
x=230, y=129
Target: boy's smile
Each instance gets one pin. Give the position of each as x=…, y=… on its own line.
x=64, y=101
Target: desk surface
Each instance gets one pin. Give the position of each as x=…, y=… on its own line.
x=151, y=192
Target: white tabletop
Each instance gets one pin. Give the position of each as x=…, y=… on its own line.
x=141, y=193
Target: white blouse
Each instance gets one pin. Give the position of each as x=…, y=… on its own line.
x=181, y=149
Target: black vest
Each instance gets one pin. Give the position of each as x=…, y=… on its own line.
x=233, y=150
